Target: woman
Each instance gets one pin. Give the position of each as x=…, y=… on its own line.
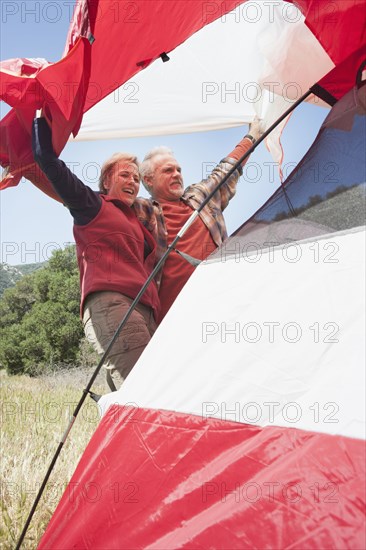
x=115, y=252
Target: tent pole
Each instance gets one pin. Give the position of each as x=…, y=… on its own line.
x=254, y=146
x=189, y=222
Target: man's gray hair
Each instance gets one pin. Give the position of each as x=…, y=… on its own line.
x=110, y=163
x=147, y=165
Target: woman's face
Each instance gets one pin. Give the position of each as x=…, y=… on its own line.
x=123, y=182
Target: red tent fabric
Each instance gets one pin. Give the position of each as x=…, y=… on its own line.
x=339, y=25
x=140, y=33
x=256, y=487
x=60, y=87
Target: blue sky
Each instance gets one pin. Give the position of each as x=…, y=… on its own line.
x=32, y=225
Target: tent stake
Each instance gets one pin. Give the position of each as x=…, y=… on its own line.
x=136, y=301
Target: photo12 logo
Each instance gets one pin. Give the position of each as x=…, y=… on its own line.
x=28, y=11
x=270, y=491
x=269, y=332
x=271, y=412
x=250, y=12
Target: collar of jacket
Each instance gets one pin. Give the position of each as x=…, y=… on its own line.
x=120, y=204
x=183, y=198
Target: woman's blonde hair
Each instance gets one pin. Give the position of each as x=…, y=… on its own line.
x=110, y=163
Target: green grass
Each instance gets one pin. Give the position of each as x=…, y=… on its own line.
x=34, y=415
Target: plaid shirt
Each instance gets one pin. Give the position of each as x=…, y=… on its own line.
x=150, y=213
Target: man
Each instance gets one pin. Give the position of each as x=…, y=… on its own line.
x=170, y=207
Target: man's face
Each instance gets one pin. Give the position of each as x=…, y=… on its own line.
x=166, y=182
x=123, y=182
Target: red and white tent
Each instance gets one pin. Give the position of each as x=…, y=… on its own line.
x=230, y=55
x=243, y=423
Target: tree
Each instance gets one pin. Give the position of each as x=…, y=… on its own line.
x=39, y=317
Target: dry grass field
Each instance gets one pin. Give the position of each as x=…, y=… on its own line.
x=34, y=415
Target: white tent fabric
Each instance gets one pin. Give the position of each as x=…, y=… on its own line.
x=274, y=338
x=212, y=80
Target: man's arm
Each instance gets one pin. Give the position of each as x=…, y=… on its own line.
x=83, y=203
x=228, y=190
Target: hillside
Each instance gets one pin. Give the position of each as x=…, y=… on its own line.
x=10, y=274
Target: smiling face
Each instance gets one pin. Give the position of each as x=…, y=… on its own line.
x=166, y=182
x=123, y=182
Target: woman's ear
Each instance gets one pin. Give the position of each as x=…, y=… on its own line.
x=106, y=183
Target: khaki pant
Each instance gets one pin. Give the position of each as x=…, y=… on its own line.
x=103, y=312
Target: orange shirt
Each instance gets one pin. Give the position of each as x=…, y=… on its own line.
x=240, y=149
x=196, y=242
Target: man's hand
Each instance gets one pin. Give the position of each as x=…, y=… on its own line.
x=255, y=128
